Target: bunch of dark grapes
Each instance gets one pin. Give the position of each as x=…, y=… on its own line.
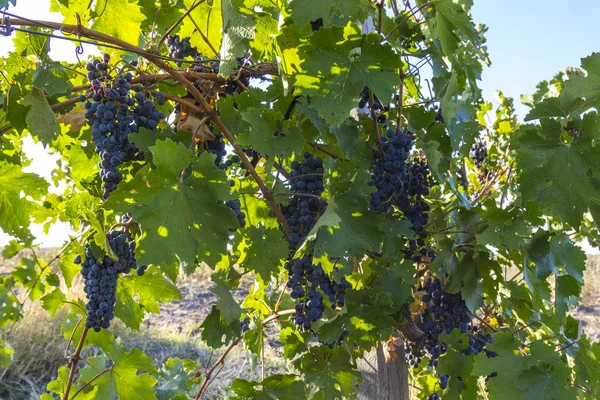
x=117, y=110
x=181, y=48
x=245, y=324
x=364, y=101
x=433, y=396
x=100, y=278
x=402, y=182
x=377, y=106
x=479, y=152
x=216, y=147
x=316, y=24
x=305, y=280
x=235, y=206
x=301, y=214
x=444, y=313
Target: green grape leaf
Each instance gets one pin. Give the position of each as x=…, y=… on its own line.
x=370, y=316
x=254, y=339
x=238, y=29
x=558, y=176
x=52, y=79
x=73, y=11
x=12, y=249
x=568, y=292
x=304, y=11
x=215, y=331
x=123, y=378
x=31, y=276
x=476, y=274
x=7, y=354
x=547, y=378
x=505, y=227
x=586, y=86
x=17, y=112
x=294, y=342
x=261, y=250
x=82, y=167
x=173, y=379
x=27, y=43
x=587, y=364
x=274, y=387
x=229, y=309
x=59, y=384
x=447, y=18
x=53, y=301
x=330, y=371
x=208, y=17
x=507, y=364
x=149, y=289
x=10, y=310
x=347, y=227
x=340, y=62
x=128, y=29
x=555, y=107
x=396, y=280
x=15, y=210
x=161, y=14
x=262, y=125
x=184, y=217
x=552, y=253
x=40, y=118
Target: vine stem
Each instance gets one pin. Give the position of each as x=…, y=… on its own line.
x=74, y=361
x=206, y=381
x=82, y=31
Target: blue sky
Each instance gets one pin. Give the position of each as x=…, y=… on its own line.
x=531, y=40
x=528, y=41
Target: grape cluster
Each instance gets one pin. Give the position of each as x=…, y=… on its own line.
x=364, y=101
x=377, y=106
x=216, y=147
x=245, y=324
x=444, y=313
x=316, y=24
x=433, y=396
x=181, y=48
x=402, y=182
x=235, y=206
x=100, y=278
x=307, y=185
x=118, y=109
x=305, y=279
x=479, y=152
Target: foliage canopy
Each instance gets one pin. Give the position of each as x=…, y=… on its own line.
x=505, y=228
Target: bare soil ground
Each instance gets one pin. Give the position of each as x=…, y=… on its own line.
x=175, y=333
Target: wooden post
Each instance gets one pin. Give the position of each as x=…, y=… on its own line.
x=383, y=381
